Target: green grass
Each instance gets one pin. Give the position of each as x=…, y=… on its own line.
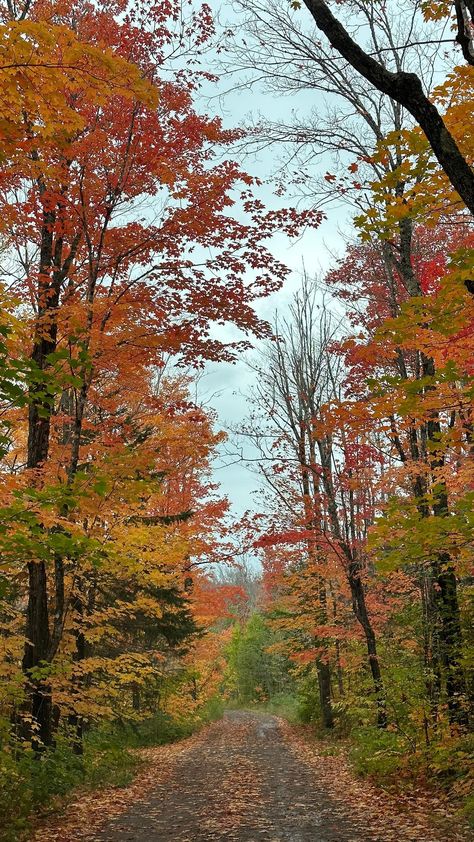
x=284, y=705
x=468, y=810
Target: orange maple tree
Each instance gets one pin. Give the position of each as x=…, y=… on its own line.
x=124, y=249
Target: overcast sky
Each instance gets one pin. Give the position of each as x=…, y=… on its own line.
x=223, y=385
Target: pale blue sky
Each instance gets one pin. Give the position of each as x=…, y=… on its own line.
x=222, y=384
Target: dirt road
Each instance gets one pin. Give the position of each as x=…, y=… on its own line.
x=246, y=778
x=243, y=783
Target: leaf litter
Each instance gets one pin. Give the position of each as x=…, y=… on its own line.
x=246, y=778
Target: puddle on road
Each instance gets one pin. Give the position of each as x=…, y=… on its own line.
x=266, y=729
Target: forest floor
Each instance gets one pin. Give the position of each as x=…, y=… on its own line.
x=250, y=776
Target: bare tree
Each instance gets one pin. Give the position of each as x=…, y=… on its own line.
x=243, y=574
x=346, y=118
x=299, y=376
x=406, y=88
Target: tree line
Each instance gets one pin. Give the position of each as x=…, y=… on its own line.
x=128, y=230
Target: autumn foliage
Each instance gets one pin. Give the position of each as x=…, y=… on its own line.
x=361, y=414
x=129, y=237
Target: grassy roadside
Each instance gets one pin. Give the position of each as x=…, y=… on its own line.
x=383, y=757
x=30, y=787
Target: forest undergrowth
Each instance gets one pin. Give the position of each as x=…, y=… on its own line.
x=397, y=759
x=33, y=789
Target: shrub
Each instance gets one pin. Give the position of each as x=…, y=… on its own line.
x=377, y=753
x=30, y=784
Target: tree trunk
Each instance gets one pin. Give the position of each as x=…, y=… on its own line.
x=75, y=720
x=36, y=653
x=361, y=613
x=431, y=655
x=445, y=578
x=135, y=697
x=441, y=617
x=354, y=572
x=324, y=682
x=37, y=616
x=312, y=516
x=451, y=642
x=38, y=646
